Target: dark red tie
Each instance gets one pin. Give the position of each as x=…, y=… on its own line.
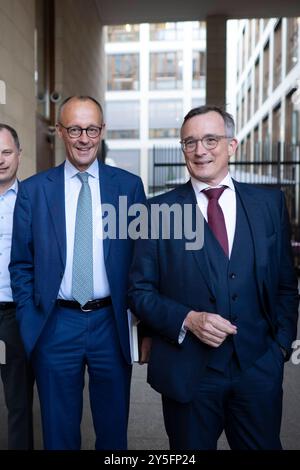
x=215, y=216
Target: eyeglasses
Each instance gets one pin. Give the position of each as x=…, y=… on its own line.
x=209, y=142
x=76, y=131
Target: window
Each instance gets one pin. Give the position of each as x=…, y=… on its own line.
x=123, y=72
x=165, y=70
x=166, y=31
x=199, y=30
x=197, y=102
x=199, y=69
x=128, y=159
x=266, y=72
x=293, y=32
x=256, y=89
x=123, y=119
x=265, y=141
x=165, y=118
x=277, y=55
x=123, y=32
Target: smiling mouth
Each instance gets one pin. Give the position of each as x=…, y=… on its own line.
x=84, y=149
x=202, y=163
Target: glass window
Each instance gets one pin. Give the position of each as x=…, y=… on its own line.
x=165, y=70
x=199, y=30
x=277, y=55
x=199, y=69
x=197, y=102
x=166, y=31
x=123, y=32
x=128, y=159
x=256, y=89
x=266, y=72
x=257, y=30
x=293, y=32
x=165, y=118
x=123, y=72
x=123, y=119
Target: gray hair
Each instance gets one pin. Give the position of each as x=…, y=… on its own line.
x=227, y=118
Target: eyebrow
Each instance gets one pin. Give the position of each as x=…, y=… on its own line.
x=205, y=135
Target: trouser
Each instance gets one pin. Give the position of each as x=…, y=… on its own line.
x=73, y=341
x=17, y=378
x=246, y=405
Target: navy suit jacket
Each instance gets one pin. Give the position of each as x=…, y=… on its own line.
x=38, y=255
x=167, y=281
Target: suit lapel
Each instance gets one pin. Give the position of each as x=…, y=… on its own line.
x=109, y=190
x=187, y=196
x=254, y=210
x=55, y=196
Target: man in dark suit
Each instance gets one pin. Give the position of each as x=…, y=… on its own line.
x=70, y=283
x=224, y=316
x=16, y=373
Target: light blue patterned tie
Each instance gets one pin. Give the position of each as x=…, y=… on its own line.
x=82, y=278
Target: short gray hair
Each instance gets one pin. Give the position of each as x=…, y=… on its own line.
x=79, y=98
x=227, y=118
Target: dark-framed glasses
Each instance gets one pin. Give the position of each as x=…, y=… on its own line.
x=209, y=142
x=76, y=131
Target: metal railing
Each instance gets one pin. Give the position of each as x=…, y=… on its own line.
x=279, y=167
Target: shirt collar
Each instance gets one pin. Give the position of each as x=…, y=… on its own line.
x=13, y=188
x=200, y=185
x=71, y=171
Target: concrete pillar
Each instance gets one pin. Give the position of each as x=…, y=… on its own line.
x=216, y=60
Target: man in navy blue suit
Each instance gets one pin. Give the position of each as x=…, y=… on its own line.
x=70, y=283
x=224, y=316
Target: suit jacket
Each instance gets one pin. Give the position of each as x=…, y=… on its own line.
x=165, y=280
x=38, y=255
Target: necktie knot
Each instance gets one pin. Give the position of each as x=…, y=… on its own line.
x=214, y=193
x=84, y=177
x=215, y=216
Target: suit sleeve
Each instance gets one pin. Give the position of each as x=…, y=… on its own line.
x=287, y=293
x=21, y=265
x=158, y=312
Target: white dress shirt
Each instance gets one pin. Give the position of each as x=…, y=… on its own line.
x=7, y=205
x=227, y=202
x=72, y=189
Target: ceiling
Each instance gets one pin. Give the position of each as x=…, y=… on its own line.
x=156, y=11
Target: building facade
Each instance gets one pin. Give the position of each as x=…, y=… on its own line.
x=268, y=106
x=155, y=74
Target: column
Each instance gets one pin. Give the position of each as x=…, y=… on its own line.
x=216, y=60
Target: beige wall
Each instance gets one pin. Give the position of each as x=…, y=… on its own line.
x=79, y=64
x=17, y=71
x=79, y=49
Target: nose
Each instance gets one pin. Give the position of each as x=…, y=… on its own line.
x=200, y=147
x=84, y=137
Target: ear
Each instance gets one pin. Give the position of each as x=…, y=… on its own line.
x=232, y=146
x=102, y=131
x=58, y=130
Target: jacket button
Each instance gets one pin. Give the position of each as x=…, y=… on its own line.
x=212, y=300
x=232, y=276
x=234, y=297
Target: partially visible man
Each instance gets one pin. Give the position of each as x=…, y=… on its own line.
x=16, y=373
x=70, y=285
x=223, y=317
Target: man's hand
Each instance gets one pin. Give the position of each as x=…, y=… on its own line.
x=210, y=328
x=145, y=349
